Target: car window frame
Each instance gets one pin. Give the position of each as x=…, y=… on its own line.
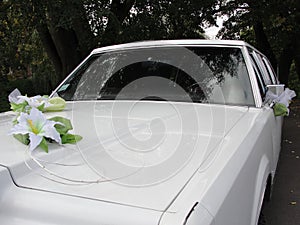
x=259, y=75
x=260, y=81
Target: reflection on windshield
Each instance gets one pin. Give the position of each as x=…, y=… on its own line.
x=194, y=74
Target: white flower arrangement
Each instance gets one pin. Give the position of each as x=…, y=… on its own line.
x=32, y=127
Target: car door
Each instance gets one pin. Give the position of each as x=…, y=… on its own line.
x=278, y=120
x=266, y=76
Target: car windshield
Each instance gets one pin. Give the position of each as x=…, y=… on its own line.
x=186, y=74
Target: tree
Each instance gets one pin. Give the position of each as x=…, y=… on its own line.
x=70, y=29
x=65, y=34
x=20, y=48
x=21, y=60
x=271, y=26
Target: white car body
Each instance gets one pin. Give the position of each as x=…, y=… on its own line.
x=221, y=181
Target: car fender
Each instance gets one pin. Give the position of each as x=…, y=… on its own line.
x=261, y=183
x=194, y=215
x=198, y=215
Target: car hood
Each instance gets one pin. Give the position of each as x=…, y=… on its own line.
x=139, y=154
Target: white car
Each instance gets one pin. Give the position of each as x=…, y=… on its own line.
x=174, y=133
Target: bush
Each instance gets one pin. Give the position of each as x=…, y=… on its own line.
x=294, y=82
x=24, y=85
x=39, y=83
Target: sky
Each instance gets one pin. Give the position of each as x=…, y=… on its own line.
x=212, y=32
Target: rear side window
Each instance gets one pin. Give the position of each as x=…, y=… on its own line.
x=270, y=70
x=263, y=68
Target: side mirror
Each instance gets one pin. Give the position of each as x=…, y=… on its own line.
x=276, y=89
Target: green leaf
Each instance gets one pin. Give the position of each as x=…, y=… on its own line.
x=57, y=104
x=65, y=125
x=18, y=107
x=15, y=121
x=23, y=138
x=280, y=109
x=70, y=138
x=44, y=145
x=41, y=107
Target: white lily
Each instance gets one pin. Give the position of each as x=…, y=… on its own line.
x=37, y=126
x=21, y=103
x=36, y=101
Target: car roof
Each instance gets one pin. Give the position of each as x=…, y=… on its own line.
x=165, y=43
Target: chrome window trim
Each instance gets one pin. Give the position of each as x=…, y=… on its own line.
x=254, y=83
x=172, y=43
x=258, y=76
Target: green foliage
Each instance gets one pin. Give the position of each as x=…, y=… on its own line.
x=70, y=138
x=272, y=26
x=42, y=41
x=18, y=107
x=24, y=85
x=23, y=61
x=167, y=20
x=280, y=109
x=63, y=128
x=31, y=87
x=44, y=145
x=23, y=138
x=20, y=45
x=4, y=105
x=294, y=81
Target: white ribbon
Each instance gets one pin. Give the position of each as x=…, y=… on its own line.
x=284, y=98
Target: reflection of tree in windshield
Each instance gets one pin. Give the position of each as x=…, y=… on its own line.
x=151, y=69
x=220, y=61
x=219, y=65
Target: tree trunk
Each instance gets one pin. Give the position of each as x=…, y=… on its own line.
x=263, y=43
x=82, y=28
x=50, y=49
x=40, y=20
x=118, y=12
x=67, y=46
x=285, y=62
x=297, y=56
x=64, y=38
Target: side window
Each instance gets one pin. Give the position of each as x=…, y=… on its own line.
x=263, y=68
x=270, y=70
